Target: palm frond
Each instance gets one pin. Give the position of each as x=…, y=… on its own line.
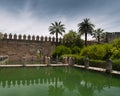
x=57, y=28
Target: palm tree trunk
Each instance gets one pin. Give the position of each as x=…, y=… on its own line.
x=85, y=38
x=56, y=38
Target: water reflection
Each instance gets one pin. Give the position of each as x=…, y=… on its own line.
x=58, y=81
x=9, y=83
x=55, y=90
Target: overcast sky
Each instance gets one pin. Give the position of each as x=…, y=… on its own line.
x=35, y=16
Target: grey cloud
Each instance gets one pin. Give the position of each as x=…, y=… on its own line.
x=12, y=5
x=67, y=9
x=52, y=7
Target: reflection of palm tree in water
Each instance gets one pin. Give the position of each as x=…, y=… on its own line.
x=55, y=90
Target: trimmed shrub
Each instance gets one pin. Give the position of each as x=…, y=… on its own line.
x=94, y=52
x=97, y=52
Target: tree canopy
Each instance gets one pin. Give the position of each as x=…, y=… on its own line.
x=72, y=38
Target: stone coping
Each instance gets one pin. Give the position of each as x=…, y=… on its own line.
x=98, y=69
x=31, y=65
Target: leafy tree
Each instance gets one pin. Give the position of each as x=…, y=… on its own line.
x=98, y=34
x=85, y=27
x=79, y=42
x=57, y=28
x=69, y=38
x=72, y=39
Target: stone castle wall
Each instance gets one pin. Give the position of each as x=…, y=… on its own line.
x=20, y=46
x=111, y=36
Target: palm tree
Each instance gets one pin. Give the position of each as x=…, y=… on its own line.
x=98, y=34
x=57, y=28
x=85, y=27
x=1, y=35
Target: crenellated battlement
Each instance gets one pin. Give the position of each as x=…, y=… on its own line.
x=30, y=38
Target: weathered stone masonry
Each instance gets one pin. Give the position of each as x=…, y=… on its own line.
x=110, y=36
x=20, y=46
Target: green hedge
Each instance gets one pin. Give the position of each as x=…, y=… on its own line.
x=116, y=64
x=79, y=60
x=98, y=63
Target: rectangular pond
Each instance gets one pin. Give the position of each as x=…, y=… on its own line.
x=57, y=81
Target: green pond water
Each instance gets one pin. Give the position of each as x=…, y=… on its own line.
x=57, y=81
